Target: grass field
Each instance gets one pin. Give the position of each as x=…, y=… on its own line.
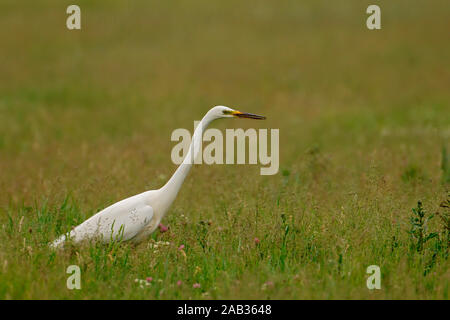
x=364, y=119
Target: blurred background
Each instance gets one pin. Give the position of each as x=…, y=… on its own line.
x=364, y=122
x=94, y=108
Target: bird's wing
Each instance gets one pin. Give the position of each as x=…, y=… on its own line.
x=128, y=224
x=122, y=221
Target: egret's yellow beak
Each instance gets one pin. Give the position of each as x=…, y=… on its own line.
x=247, y=115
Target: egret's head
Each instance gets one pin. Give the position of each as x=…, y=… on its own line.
x=225, y=112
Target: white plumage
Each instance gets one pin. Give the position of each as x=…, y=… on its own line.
x=135, y=218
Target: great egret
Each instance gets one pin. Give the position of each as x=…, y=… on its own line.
x=136, y=217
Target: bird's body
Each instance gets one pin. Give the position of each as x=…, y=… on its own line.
x=136, y=217
x=135, y=214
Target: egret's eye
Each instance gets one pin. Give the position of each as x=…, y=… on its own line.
x=226, y=111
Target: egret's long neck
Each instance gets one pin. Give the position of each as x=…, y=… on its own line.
x=171, y=188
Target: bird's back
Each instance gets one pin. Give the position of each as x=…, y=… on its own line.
x=122, y=220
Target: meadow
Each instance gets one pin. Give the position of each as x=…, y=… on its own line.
x=86, y=118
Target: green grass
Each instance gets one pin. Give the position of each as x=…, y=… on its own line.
x=86, y=118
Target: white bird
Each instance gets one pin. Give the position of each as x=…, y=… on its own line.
x=136, y=217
